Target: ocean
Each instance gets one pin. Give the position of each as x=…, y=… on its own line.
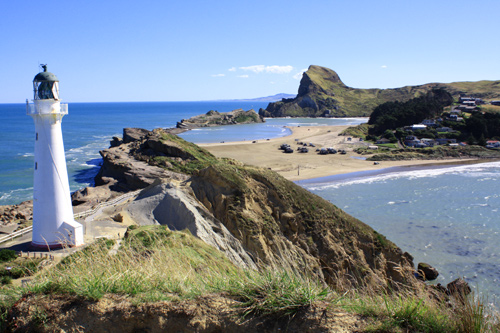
x=89, y=127
x=446, y=216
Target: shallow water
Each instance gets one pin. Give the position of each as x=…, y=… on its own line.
x=445, y=216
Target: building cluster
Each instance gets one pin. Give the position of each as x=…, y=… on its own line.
x=413, y=141
x=467, y=104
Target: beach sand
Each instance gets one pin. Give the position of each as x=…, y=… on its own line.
x=299, y=166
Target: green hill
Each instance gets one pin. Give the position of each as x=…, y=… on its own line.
x=323, y=94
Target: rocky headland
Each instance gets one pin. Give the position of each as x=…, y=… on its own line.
x=253, y=214
x=323, y=94
x=224, y=214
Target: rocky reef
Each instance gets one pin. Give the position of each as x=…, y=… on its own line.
x=215, y=118
x=323, y=94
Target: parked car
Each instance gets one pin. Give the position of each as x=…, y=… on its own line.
x=284, y=146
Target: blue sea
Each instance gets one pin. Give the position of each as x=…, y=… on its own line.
x=445, y=216
x=89, y=127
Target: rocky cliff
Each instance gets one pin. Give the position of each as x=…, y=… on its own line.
x=256, y=235
x=323, y=94
x=250, y=212
x=215, y=118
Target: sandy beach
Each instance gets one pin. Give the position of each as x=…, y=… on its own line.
x=299, y=166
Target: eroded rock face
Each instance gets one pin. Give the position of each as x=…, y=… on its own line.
x=126, y=167
x=213, y=313
x=173, y=206
x=252, y=213
x=127, y=173
x=282, y=224
x=134, y=134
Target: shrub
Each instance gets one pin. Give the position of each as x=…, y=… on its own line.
x=7, y=255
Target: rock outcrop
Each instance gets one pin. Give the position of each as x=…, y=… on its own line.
x=215, y=118
x=323, y=94
x=22, y=211
x=250, y=212
x=173, y=206
x=426, y=272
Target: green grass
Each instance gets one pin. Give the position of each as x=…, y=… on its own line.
x=388, y=145
x=247, y=117
x=191, y=159
x=154, y=263
x=359, y=131
x=438, y=152
x=409, y=313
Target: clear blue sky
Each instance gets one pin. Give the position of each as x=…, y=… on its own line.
x=207, y=50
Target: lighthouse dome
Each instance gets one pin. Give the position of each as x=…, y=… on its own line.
x=45, y=85
x=45, y=76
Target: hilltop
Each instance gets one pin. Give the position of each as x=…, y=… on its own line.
x=323, y=94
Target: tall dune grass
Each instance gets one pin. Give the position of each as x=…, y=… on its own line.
x=153, y=263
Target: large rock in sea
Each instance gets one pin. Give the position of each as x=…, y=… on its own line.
x=426, y=272
x=215, y=118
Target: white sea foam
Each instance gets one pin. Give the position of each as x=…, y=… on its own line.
x=16, y=195
x=479, y=171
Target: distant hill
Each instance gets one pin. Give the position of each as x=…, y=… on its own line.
x=323, y=94
x=273, y=98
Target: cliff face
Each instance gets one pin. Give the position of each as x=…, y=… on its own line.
x=323, y=94
x=272, y=220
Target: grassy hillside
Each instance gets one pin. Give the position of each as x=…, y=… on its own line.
x=319, y=269
x=322, y=93
x=158, y=279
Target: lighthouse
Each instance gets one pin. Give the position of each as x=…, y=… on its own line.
x=53, y=222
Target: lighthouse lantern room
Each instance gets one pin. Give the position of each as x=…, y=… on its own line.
x=53, y=222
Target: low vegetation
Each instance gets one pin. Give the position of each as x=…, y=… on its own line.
x=359, y=131
x=155, y=264
x=432, y=153
x=14, y=267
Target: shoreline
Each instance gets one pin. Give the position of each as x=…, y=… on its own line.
x=307, y=166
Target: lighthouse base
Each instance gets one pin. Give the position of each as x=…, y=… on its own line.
x=54, y=246
x=69, y=234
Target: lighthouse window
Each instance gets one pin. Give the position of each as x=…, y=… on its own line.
x=36, y=136
x=36, y=165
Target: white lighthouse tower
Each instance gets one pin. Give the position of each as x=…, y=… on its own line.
x=53, y=222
